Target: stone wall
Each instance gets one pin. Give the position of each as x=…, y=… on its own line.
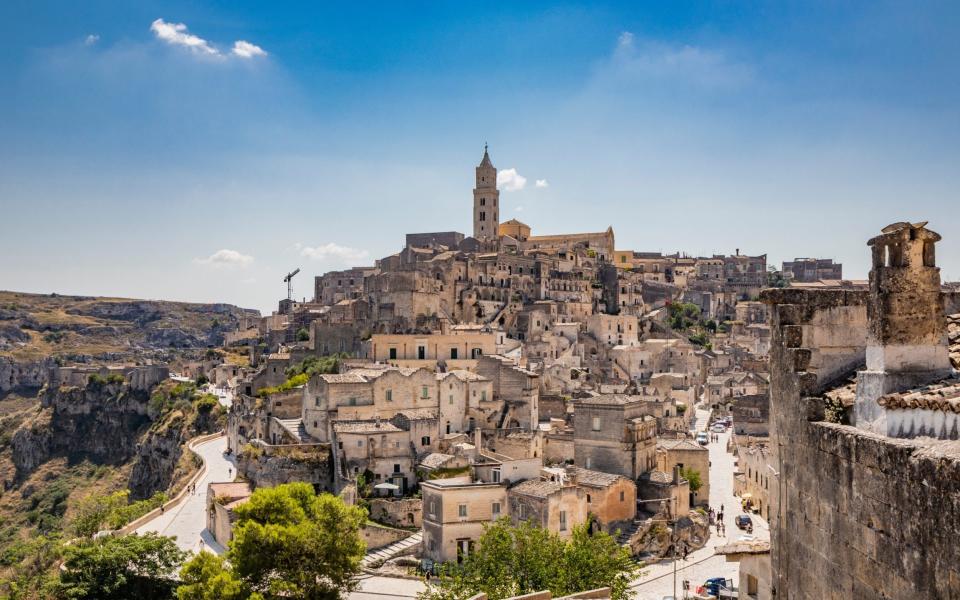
x=854, y=514
x=402, y=512
x=377, y=536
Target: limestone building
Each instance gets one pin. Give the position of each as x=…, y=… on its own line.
x=856, y=512
x=486, y=200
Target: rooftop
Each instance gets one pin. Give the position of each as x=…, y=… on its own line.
x=682, y=444
x=365, y=427
x=538, y=488
x=593, y=478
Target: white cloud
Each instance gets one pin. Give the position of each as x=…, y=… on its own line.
x=247, y=50
x=510, y=180
x=176, y=35
x=704, y=67
x=225, y=258
x=541, y=183
x=519, y=209
x=91, y=39
x=332, y=252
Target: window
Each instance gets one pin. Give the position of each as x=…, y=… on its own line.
x=621, y=495
x=433, y=507
x=393, y=354
x=496, y=475
x=495, y=509
x=425, y=440
x=483, y=395
x=421, y=352
x=389, y=395
x=359, y=443
x=596, y=424
x=453, y=353
x=424, y=392
x=462, y=511
x=483, y=216
x=588, y=499
x=451, y=399
x=589, y=462
x=396, y=468
x=483, y=202
x=563, y=520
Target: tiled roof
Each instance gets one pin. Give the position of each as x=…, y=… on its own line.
x=419, y=414
x=594, y=478
x=683, y=444
x=659, y=477
x=610, y=399
x=539, y=488
x=942, y=396
x=365, y=427
x=435, y=460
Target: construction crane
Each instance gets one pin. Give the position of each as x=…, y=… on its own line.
x=289, y=281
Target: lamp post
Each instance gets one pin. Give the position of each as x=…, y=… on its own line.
x=673, y=534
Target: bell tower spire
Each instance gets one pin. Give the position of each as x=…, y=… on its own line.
x=486, y=200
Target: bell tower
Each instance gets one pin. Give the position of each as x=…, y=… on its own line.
x=486, y=201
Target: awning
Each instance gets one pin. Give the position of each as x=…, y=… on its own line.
x=386, y=486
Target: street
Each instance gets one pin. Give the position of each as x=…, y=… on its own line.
x=703, y=564
x=188, y=521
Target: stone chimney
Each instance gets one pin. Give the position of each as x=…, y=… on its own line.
x=907, y=338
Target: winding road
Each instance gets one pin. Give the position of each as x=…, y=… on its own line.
x=187, y=522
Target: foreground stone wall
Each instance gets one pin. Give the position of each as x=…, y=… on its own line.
x=853, y=514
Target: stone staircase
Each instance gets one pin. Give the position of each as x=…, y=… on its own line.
x=294, y=427
x=627, y=532
x=377, y=557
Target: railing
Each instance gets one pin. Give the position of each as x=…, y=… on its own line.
x=181, y=496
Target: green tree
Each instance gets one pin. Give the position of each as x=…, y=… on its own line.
x=512, y=561
x=207, y=577
x=693, y=477
x=303, y=335
x=123, y=567
x=288, y=543
x=94, y=510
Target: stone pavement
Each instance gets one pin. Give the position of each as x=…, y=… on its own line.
x=188, y=521
x=374, y=587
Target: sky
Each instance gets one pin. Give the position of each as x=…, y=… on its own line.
x=199, y=151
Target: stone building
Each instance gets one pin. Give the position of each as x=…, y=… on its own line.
x=613, y=434
x=455, y=350
x=751, y=414
x=454, y=513
x=222, y=499
x=553, y=502
x=752, y=483
x=334, y=286
x=486, y=200
x=686, y=454
x=808, y=270
x=516, y=387
x=856, y=512
x=611, y=498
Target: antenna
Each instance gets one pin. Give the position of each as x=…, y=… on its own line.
x=289, y=281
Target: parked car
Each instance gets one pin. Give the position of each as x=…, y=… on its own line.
x=718, y=587
x=744, y=522
x=718, y=428
x=702, y=438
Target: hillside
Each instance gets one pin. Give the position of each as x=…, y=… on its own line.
x=90, y=329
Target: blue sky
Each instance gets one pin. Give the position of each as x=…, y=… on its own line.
x=200, y=150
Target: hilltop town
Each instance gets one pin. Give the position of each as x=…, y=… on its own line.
x=715, y=415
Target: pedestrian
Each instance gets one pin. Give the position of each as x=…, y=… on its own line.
x=721, y=509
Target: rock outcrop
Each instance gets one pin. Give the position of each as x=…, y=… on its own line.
x=32, y=374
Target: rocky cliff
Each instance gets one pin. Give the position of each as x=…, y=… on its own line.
x=36, y=327
x=114, y=424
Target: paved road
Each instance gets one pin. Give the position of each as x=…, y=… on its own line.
x=704, y=564
x=188, y=521
x=375, y=587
